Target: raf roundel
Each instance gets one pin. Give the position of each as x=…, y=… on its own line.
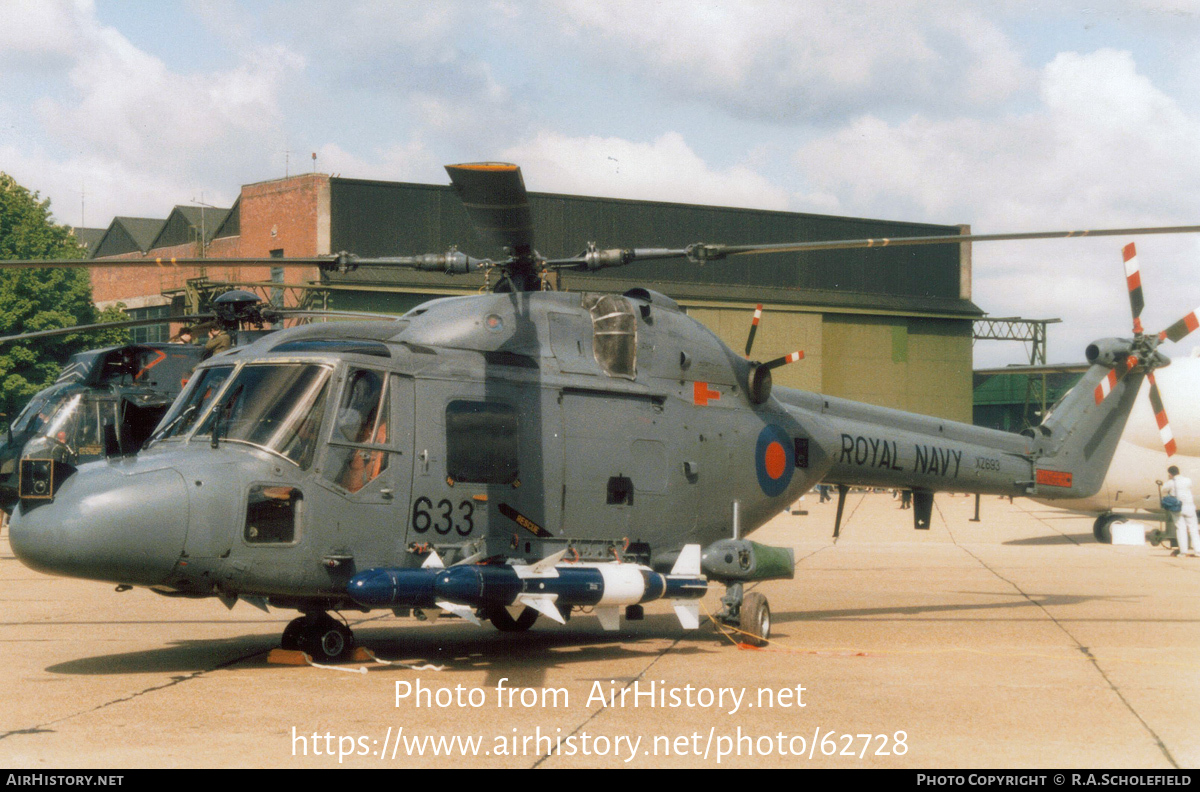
x=774, y=460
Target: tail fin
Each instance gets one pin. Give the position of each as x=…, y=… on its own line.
x=1076, y=442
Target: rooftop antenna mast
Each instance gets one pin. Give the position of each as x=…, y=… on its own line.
x=203, y=228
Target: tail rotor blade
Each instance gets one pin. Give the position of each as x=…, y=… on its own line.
x=1110, y=381
x=777, y=362
x=1160, y=417
x=1133, y=279
x=753, y=328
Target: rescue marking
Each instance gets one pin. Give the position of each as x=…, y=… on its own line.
x=1054, y=478
x=701, y=394
x=524, y=522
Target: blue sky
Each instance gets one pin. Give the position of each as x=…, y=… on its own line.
x=1006, y=116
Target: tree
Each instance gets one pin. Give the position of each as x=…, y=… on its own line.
x=40, y=299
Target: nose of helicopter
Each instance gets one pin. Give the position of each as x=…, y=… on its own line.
x=106, y=525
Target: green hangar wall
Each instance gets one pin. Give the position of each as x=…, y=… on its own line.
x=888, y=326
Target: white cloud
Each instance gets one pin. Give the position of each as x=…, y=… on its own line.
x=409, y=161
x=1105, y=148
x=1104, y=143
x=666, y=169
x=137, y=134
x=41, y=31
x=130, y=106
x=109, y=188
x=784, y=60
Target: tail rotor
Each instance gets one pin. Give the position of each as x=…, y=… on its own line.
x=759, y=378
x=1145, y=346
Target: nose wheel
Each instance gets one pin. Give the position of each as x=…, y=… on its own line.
x=320, y=636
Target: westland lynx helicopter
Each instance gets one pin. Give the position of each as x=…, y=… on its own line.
x=521, y=453
x=122, y=390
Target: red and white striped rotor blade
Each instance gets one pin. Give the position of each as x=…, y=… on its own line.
x=1110, y=380
x=1180, y=329
x=1133, y=279
x=1160, y=417
x=783, y=361
x=753, y=328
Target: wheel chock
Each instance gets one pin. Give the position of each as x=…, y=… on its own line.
x=288, y=657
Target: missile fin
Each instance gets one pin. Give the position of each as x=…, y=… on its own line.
x=688, y=614
x=548, y=563
x=610, y=617
x=688, y=562
x=542, y=604
x=258, y=602
x=433, y=561
x=471, y=559
x=460, y=610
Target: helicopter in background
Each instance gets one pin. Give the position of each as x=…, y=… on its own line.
x=123, y=391
x=1148, y=444
x=521, y=453
x=106, y=402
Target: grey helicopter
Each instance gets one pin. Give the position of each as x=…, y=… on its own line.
x=524, y=452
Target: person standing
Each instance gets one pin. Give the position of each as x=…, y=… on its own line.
x=218, y=341
x=1185, y=520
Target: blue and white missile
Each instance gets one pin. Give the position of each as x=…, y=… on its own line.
x=546, y=586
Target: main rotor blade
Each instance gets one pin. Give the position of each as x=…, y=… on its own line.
x=166, y=262
x=495, y=198
x=270, y=314
x=700, y=252
x=101, y=326
x=846, y=244
x=451, y=262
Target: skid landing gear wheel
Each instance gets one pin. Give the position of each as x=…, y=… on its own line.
x=1102, y=528
x=319, y=635
x=755, y=619
x=504, y=622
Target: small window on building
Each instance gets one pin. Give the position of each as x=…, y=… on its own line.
x=147, y=334
x=272, y=514
x=482, y=439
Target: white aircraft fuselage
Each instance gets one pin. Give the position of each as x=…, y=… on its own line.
x=1140, y=460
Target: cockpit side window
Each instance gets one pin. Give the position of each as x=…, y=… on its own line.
x=357, y=453
x=193, y=402
x=34, y=415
